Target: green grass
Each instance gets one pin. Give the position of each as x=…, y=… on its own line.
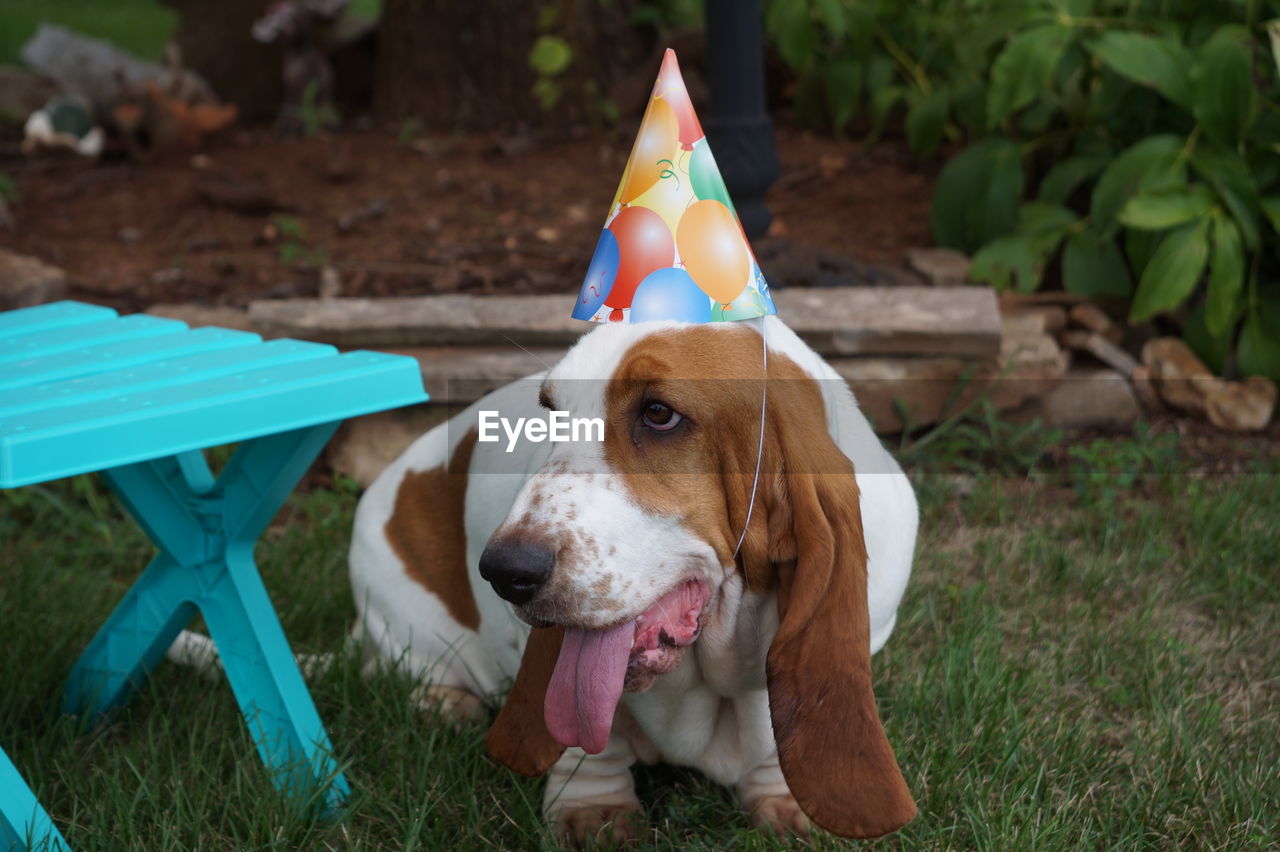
x=139, y=26
x=1072, y=668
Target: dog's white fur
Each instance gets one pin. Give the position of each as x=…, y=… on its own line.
x=711, y=712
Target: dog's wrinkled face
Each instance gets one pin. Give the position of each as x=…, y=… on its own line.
x=629, y=547
x=626, y=542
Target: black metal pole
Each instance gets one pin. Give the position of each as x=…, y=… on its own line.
x=738, y=128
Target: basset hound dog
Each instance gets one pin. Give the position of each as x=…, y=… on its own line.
x=682, y=590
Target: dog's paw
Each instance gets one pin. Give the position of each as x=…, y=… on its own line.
x=779, y=815
x=600, y=826
x=450, y=703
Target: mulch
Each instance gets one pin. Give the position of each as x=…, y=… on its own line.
x=255, y=214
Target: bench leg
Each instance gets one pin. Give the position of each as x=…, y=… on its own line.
x=23, y=823
x=134, y=639
x=206, y=530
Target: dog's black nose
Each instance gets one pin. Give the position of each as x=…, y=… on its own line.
x=516, y=570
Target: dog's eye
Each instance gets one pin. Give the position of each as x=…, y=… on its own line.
x=661, y=417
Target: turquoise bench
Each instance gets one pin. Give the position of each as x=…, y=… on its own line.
x=137, y=399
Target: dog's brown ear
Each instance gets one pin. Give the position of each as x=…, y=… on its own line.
x=519, y=736
x=831, y=745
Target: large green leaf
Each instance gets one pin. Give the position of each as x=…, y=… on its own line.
x=1213, y=351
x=1231, y=179
x=1061, y=180
x=1139, y=246
x=1152, y=164
x=883, y=100
x=1094, y=267
x=1224, y=96
x=1009, y=262
x=831, y=13
x=1273, y=35
x=976, y=197
x=843, y=88
x=1259, y=350
x=1226, y=275
x=1018, y=260
x=1039, y=219
x=1160, y=210
x=926, y=120
x=1023, y=69
x=1158, y=62
x=793, y=31
x=1173, y=271
x=1271, y=206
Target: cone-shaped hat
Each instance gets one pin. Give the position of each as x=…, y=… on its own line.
x=672, y=247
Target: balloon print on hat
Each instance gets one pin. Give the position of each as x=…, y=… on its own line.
x=600, y=277
x=749, y=304
x=670, y=294
x=705, y=176
x=669, y=197
x=670, y=87
x=658, y=140
x=713, y=250
x=644, y=244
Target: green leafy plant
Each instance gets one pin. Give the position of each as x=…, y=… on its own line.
x=1153, y=147
x=294, y=246
x=316, y=112
x=1128, y=149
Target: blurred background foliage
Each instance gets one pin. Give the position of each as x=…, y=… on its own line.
x=1122, y=149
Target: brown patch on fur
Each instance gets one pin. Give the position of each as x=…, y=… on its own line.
x=519, y=737
x=805, y=539
x=427, y=532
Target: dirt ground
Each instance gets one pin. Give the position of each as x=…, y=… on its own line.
x=256, y=215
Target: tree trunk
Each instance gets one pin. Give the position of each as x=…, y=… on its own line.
x=465, y=65
x=216, y=42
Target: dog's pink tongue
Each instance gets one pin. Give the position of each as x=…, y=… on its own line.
x=586, y=685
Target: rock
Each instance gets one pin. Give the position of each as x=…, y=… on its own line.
x=1030, y=363
x=1145, y=389
x=940, y=266
x=1182, y=380
x=1101, y=348
x=102, y=73
x=1090, y=316
x=1241, y=406
x=463, y=374
x=1089, y=397
x=197, y=316
x=364, y=446
x=836, y=321
x=1052, y=318
x=26, y=281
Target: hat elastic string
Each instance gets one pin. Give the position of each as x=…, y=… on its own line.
x=764, y=398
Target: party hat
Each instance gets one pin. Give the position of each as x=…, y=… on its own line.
x=672, y=247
